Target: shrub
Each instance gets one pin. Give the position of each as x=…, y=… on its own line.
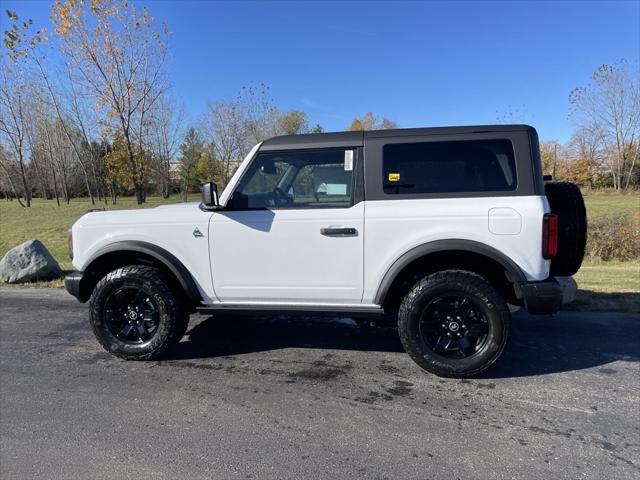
x=614, y=238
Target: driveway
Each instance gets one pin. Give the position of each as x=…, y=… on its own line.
x=310, y=398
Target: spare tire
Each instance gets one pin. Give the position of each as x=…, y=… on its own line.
x=565, y=200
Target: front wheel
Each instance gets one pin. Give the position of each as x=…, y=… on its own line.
x=454, y=324
x=135, y=315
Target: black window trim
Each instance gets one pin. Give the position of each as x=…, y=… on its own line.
x=474, y=192
x=355, y=178
x=525, y=184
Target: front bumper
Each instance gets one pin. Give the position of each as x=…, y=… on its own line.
x=546, y=297
x=72, y=284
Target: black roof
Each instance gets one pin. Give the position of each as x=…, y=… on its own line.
x=355, y=139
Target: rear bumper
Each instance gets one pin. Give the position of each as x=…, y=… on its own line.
x=72, y=284
x=546, y=297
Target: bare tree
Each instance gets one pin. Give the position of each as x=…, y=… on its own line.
x=224, y=125
x=118, y=56
x=261, y=117
x=5, y=166
x=167, y=132
x=609, y=107
x=14, y=117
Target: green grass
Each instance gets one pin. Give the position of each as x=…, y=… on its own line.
x=604, y=285
x=608, y=286
x=604, y=204
x=49, y=223
x=612, y=276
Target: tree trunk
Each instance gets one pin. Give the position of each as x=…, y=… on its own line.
x=139, y=195
x=25, y=185
x=13, y=187
x=86, y=182
x=65, y=188
x=44, y=191
x=97, y=182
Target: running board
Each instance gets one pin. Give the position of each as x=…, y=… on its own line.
x=256, y=309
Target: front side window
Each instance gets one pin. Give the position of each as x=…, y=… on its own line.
x=449, y=167
x=297, y=179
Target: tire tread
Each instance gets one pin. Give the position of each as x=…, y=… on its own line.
x=461, y=279
x=175, y=304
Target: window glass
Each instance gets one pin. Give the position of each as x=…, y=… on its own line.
x=448, y=167
x=296, y=179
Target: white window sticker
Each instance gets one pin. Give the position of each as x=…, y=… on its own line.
x=336, y=189
x=348, y=160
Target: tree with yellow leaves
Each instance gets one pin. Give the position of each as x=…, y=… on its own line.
x=117, y=55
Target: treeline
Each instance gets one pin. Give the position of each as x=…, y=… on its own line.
x=99, y=120
x=604, y=150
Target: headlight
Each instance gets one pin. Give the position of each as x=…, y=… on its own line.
x=70, y=243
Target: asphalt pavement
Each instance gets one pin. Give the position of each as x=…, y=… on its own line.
x=278, y=398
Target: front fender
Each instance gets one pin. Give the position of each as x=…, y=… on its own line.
x=175, y=266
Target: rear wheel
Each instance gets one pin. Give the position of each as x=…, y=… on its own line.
x=135, y=315
x=454, y=324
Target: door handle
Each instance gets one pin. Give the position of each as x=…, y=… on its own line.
x=338, y=231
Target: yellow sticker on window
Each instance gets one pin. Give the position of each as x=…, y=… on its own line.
x=394, y=177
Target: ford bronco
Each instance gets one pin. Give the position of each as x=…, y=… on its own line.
x=442, y=230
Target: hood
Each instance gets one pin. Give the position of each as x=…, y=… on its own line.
x=172, y=213
x=178, y=206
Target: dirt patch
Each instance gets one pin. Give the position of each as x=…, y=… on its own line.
x=400, y=388
x=373, y=397
x=183, y=364
x=320, y=371
x=488, y=386
x=389, y=369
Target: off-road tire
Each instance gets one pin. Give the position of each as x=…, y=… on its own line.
x=173, y=316
x=486, y=298
x=565, y=200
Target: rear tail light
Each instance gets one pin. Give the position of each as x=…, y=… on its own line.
x=549, y=235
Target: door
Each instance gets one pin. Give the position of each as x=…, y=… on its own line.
x=292, y=231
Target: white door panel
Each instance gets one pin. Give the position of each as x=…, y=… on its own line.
x=282, y=256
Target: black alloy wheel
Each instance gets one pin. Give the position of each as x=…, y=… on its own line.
x=454, y=323
x=136, y=314
x=131, y=315
x=454, y=326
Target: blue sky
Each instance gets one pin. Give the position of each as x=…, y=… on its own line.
x=418, y=63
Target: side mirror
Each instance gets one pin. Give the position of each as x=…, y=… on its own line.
x=210, y=196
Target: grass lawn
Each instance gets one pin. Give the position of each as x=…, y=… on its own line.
x=608, y=286
x=49, y=223
x=604, y=285
x=604, y=204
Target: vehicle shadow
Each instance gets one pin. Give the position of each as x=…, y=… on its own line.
x=235, y=334
x=539, y=344
x=567, y=342
x=590, y=301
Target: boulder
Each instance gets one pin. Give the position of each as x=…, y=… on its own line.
x=29, y=262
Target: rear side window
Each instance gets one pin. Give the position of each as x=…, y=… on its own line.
x=449, y=167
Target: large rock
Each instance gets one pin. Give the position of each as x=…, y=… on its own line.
x=29, y=262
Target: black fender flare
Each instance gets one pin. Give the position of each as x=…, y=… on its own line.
x=441, y=246
x=166, y=258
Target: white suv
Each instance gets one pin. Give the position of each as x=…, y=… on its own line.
x=439, y=229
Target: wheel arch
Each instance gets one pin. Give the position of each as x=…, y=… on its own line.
x=439, y=255
x=122, y=253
